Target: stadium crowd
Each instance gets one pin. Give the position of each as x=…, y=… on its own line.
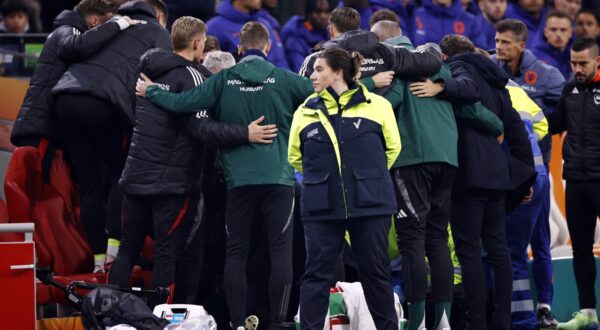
x=410, y=152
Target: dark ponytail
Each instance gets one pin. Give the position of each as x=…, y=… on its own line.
x=340, y=59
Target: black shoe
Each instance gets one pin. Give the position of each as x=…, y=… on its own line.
x=546, y=319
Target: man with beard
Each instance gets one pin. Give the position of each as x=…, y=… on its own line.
x=578, y=114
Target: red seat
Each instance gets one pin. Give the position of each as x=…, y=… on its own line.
x=52, y=206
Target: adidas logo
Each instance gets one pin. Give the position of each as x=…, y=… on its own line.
x=575, y=91
x=401, y=214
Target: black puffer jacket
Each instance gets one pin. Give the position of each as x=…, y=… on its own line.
x=111, y=74
x=66, y=44
x=379, y=57
x=578, y=113
x=165, y=156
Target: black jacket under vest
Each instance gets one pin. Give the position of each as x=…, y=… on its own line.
x=168, y=150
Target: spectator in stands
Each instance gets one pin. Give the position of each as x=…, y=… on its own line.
x=578, y=114
x=425, y=168
x=78, y=35
x=569, y=7
x=160, y=180
x=554, y=47
x=592, y=4
x=333, y=203
x=203, y=10
x=438, y=18
x=268, y=12
x=217, y=60
x=15, y=17
x=211, y=44
x=362, y=7
x=587, y=25
x=492, y=12
x=250, y=88
x=388, y=15
x=231, y=15
x=94, y=134
x=530, y=12
x=402, y=9
x=304, y=34
x=366, y=8
x=543, y=84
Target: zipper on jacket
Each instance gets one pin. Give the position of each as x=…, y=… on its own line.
x=582, y=136
x=340, y=165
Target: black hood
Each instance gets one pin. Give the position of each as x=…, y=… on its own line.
x=364, y=42
x=70, y=18
x=485, y=67
x=157, y=62
x=135, y=9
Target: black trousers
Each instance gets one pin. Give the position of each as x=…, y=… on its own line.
x=324, y=242
x=423, y=194
x=92, y=131
x=167, y=216
x=478, y=216
x=191, y=261
x=275, y=205
x=583, y=208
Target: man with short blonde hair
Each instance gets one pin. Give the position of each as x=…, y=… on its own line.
x=184, y=30
x=162, y=174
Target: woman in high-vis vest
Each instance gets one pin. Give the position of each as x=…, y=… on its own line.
x=344, y=140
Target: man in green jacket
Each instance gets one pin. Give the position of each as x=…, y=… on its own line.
x=259, y=178
x=423, y=176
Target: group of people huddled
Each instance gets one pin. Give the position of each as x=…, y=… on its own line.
x=376, y=145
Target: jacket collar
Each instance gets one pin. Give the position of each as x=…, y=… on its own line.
x=253, y=54
x=326, y=99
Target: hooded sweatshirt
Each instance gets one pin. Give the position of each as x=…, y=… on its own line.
x=299, y=38
x=226, y=27
x=432, y=22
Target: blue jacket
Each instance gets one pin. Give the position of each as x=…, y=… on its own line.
x=365, y=15
x=543, y=83
x=398, y=7
x=299, y=38
x=487, y=34
x=432, y=22
x=560, y=59
x=269, y=18
x=344, y=145
x=534, y=25
x=227, y=25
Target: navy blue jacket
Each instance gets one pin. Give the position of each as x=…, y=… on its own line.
x=226, y=27
x=299, y=38
x=534, y=25
x=560, y=59
x=432, y=22
x=68, y=43
x=165, y=156
x=482, y=161
x=543, y=83
x=487, y=33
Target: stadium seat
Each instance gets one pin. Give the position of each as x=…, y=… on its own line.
x=51, y=205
